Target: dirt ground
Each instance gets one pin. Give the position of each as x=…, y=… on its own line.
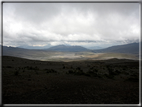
x=114, y=81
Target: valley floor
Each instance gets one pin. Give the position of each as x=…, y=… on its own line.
x=114, y=81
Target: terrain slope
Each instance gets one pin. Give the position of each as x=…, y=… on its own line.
x=113, y=81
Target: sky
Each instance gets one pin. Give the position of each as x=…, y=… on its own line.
x=84, y=24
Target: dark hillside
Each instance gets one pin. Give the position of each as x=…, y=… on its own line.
x=114, y=81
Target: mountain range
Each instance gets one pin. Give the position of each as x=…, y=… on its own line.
x=132, y=48
x=64, y=48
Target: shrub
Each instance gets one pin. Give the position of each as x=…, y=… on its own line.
x=90, y=71
x=36, y=72
x=36, y=68
x=70, y=72
x=50, y=71
x=133, y=79
x=95, y=73
x=63, y=67
x=9, y=67
x=87, y=74
x=96, y=70
x=30, y=68
x=78, y=68
x=109, y=76
x=79, y=72
x=29, y=79
x=117, y=72
x=16, y=73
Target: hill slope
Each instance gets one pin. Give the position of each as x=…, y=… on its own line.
x=20, y=52
x=132, y=48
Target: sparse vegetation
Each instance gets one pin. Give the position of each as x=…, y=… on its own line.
x=80, y=82
x=50, y=71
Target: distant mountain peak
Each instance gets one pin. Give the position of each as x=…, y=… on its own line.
x=65, y=48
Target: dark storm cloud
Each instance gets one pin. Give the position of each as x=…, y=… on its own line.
x=73, y=23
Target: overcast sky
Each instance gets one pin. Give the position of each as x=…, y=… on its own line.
x=84, y=24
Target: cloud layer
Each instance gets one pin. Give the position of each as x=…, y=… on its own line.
x=86, y=24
